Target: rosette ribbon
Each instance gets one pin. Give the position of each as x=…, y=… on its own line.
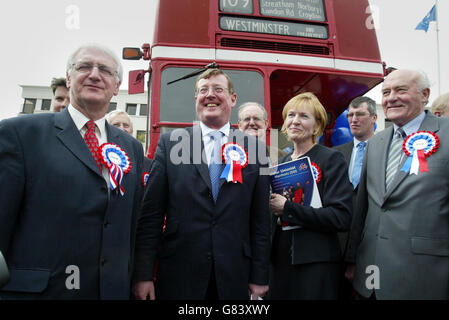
x=145, y=177
x=117, y=161
x=418, y=146
x=316, y=171
x=236, y=158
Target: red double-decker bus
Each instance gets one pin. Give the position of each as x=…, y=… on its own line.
x=271, y=49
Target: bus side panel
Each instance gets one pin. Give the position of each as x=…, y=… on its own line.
x=178, y=26
x=356, y=36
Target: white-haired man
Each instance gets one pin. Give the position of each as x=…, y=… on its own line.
x=66, y=227
x=399, y=238
x=121, y=120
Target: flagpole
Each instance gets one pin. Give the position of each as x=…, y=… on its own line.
x=438, y=47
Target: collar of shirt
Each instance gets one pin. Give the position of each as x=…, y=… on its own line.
x=81, y=120
x=208, y=145
x=100, y=131
x=413, y=125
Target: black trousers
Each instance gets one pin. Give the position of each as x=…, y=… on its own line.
x=212, y=291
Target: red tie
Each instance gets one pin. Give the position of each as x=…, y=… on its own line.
x=92, y=141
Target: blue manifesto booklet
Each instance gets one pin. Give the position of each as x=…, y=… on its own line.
x=295, y=181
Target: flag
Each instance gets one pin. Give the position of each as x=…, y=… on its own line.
x=424, y=24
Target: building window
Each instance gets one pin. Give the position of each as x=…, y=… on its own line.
x=143, y=109
x=141, y=135
x=29, y=105
x=131, y=109
x=46, y=103
x=112, y=106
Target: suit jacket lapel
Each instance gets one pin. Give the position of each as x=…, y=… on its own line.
x=71, y=138
x=347, y=152
x=430, y=123
x=196, y=143
x=383, y=153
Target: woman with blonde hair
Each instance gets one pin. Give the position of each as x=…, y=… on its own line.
x=306, y=261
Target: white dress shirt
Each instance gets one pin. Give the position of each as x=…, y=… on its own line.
x=207, y=141
x=100, y=131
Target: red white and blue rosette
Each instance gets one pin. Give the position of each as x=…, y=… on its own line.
x=418, y=146
x=117, y=161
x=236, y=158
x=316, y=171
x=145, y=177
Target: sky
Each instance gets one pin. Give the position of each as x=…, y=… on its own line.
x=38, y=36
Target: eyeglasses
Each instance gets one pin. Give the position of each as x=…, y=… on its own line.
x=87, y=67
x=216, y=90
x=357, y=114
x=255, y=119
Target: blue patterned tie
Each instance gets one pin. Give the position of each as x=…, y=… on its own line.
x=215, y=163
x=358, y=162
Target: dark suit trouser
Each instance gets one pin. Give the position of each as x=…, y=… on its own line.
x=212, y=291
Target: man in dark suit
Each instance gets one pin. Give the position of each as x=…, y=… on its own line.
x=361, y=116
x=399, y=238
x=65, y=231
x=217, y=237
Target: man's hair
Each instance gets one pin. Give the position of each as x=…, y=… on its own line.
x=355, y=103
x=212, y=73
x=247, y=104
x=307, y=99
x=58, y=82
x=119, y=68
x=441, y=103
x=422, y=81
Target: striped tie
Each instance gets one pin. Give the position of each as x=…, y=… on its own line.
x=215, y=162
x=394, y=156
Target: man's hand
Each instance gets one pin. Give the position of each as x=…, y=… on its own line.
x=257, y=291
x=143, y=289
x=277, y=203
x=349, y=273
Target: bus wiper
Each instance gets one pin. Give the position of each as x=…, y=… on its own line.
x=212, y=65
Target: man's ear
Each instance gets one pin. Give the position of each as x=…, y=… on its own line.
x=68, y=80
x=117, y=88
x=425, y=93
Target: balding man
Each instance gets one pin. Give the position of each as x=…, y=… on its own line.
x=399, y=238
x=121, y=120
x=253, y=121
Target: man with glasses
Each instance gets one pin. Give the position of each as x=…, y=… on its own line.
x=216, y=240
x=66, y=226
x=361, y=117
x=253, y=121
